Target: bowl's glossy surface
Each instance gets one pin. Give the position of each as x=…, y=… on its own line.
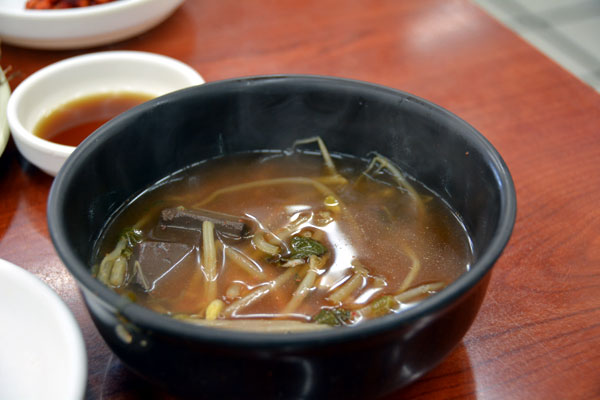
x=80, y=76
x=374, y=358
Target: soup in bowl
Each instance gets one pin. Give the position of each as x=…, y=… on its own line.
x=286, y=236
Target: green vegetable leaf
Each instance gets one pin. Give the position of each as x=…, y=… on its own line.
x=382, y=306
x=133, y=236
x=304, y=247
x=332, y=316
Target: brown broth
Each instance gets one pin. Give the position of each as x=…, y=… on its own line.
x=72, y=122
x=377, y=228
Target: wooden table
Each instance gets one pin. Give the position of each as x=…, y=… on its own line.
x=538, y=333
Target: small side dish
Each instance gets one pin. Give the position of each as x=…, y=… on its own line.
x=79, y=27
x=59, y=4
x=59, y=86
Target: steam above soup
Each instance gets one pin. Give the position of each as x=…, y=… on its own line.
x=283, y=241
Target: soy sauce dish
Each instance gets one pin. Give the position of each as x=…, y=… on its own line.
x=354, y=331
x=66, y=82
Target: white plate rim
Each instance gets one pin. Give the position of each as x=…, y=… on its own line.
x=77, y=354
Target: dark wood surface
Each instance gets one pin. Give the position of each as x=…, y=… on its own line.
x=538, y=333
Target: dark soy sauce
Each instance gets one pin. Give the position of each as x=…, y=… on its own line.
x=72, y=122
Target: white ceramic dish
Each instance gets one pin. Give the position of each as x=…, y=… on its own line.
x=67, y=80
x=41, y=346
x=4, y=94
x=80, y=27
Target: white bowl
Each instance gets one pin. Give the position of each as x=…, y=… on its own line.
x=4, y=94
x=41, y=346
x=80, y=76
x=80, y=27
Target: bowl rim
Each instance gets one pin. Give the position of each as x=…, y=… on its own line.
x=26, y=137
x=244, y=339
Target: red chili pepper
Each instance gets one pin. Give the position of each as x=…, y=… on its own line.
x=59, y=4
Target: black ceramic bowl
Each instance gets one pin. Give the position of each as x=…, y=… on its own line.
x=155, y=139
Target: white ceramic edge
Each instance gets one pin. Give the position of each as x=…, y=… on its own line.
x=4, y=95
x=76, y=353
x=53, y=154
x=93, y=26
